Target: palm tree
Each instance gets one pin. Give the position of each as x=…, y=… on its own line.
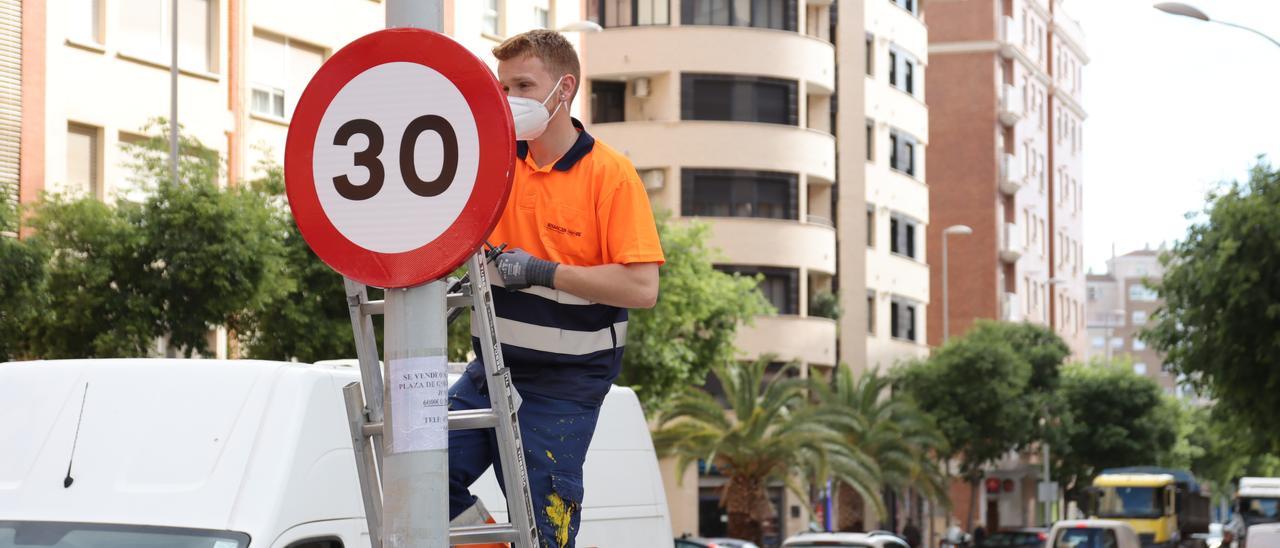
x=890, y=429
x=770, y=432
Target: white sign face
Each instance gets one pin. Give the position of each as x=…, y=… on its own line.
x=419, y=403
x=395, y=157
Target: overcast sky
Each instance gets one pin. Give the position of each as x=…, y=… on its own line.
x=1175, y=106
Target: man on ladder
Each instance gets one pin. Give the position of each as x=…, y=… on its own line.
x=584, y=249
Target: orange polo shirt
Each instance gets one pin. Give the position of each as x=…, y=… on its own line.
x=588, y=208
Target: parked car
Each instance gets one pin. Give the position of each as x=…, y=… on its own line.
x=874, y=539
x=1093, y=533
x=695, y=542
x=1027, y=536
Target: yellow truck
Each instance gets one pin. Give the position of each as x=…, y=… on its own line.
x=1165, y=507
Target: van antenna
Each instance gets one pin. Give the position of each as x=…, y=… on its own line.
x=66, y=482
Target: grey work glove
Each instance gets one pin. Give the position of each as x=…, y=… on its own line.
x=519, y=270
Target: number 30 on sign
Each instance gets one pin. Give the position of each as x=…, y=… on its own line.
x=399, y=157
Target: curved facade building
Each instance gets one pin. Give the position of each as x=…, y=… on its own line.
x=724, y=107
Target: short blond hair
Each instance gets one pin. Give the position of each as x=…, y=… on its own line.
x=556, y=53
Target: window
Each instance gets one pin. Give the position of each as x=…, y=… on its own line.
x=902, y=70
x=1140, y=368
x=145, y=32
x=84, y=21
x=1139, y=317
x=871, y=226
x=1139, y=345
x=871, y=312
x=912, y=6
x=626, y=13
x=769, y=14
x=902, y=152
x=1098, y=342
x=902, y=236
x=541, y=17
x=279, y=69
x=871, y=55
x=317, y=543
x=871, y=140
x=82, y=160
x=1117, y=343
x=780, y=286
x=608, y=101
x=492, y=21
x=902, y=319
x=1093, y=293
x=1141, y=293
x=739, y=193
x=738, y=98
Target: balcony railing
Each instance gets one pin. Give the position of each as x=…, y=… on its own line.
x=1010, y=243
x=1012, y=174
x=1010, y=104
x=1010, y=36
x=1010, y=309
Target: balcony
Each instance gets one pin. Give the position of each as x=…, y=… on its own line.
x=1010, y=243
x=1012, y=174
x=640, y=51
x=1010, y=37
x=1010, y=309
x=773, y=242
x=738, y=145
x=808, y=339
x=1010, y=104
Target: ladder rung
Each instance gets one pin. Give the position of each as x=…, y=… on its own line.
x=479, y=534
x=373, y=308
x=472, y=419
x=453, y=300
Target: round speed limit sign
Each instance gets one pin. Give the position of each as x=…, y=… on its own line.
x=399, y=157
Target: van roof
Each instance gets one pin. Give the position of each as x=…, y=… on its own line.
x=188, y=443
x=1259, y=487
x=1133, y=480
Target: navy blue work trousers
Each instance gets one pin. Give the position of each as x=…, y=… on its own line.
x=555, y=434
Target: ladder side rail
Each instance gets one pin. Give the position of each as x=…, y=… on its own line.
x=367, y=353
x=502, y=401
x=366, y=463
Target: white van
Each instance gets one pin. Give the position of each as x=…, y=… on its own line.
x=231, y=454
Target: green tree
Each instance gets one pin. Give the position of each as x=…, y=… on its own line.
x=1116, y=418
x=189, y=257
x=976, y=388
x=1218, y=451
x=890, y=428
x=214, y=254
x=96, y=296
x=1221, y=309
x=693, y=326
x=22, y=274
x=770, y=432
x=308, y=320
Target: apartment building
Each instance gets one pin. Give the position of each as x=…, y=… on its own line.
x=82, y=78
x=1119, y=306
x=730, y=111
x=1005, y=101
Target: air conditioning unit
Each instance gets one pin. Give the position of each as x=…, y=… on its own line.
x=654, y=179
x=640, y=87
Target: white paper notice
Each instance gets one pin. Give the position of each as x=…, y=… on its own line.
x=420, y=403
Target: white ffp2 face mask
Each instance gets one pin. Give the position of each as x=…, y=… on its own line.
x=531, y=116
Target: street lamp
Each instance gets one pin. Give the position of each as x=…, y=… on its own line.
x=581, y=26
x=1186, y=10
x=959, y=230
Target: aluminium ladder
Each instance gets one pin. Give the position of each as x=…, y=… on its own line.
x=365, y=412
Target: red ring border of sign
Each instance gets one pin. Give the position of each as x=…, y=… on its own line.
x=462, y=239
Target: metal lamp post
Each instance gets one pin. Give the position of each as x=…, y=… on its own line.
x=960, y=230
x=1187, y=10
